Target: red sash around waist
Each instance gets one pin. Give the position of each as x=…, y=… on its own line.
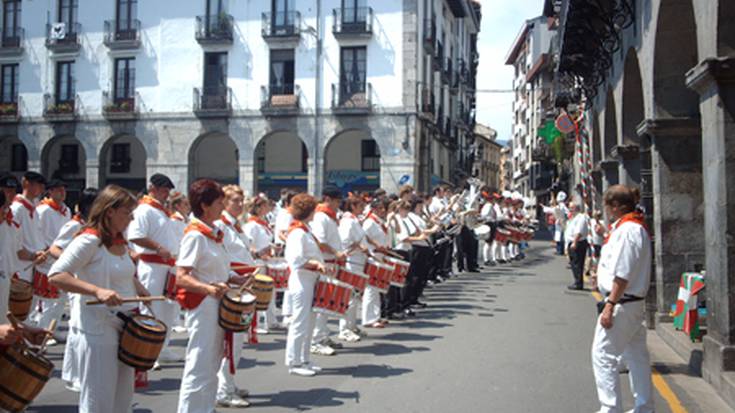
x=157, y=259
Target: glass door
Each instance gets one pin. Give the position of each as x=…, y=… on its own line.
x=127, y=11
x=353, y=72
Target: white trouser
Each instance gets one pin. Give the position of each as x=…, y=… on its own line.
x=302, y=326
x=486, y=255
x=47, y=309
x=349, y=320
x=106, y=383
x=321, y=328
x=627, y=340
x=286, y=307
x=226, y=381
x=370, y=306
x=71, y=366
x=203, y=359
x=494, y=251
x=153, y=278
x=269, y=317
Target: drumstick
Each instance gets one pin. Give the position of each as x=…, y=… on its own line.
x=131, y=300
x=43, y=255
x=16, y=324
x=48, y=335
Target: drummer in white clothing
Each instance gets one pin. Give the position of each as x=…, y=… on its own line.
x=155, y=245
x=260, y=236
x=280, y=231
x=304, y=258
x=32, y=250
x=353, y=238
x=377, y=240
x=97, y=264
x=52, y=215
x=624, y=275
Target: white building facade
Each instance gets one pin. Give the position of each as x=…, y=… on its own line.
x=267, y=94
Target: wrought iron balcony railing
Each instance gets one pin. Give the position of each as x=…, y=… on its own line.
x=215, y=28
x=213, y=101
x=56, y=109
x=281, y=24
x=352, y=97
x=352, y=22
x=63, y=37
x=119, y=108
x=122, y=34
x=281, y=99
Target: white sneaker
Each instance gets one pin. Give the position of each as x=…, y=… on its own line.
x=232, y=401
x=51, y=342
x=322, y=350
x=359, y=332
x=179, y=329
x=242, y=393
x=261, y=331
x=72, y=386
x=168, y=355
x=156, y=366
x=301, y=371
x=312, y=367
x=348, y=336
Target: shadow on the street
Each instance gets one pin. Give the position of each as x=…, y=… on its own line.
x=246, y=363
x=383, y=349
x=370, y=371
x=304, y=400
x=160, y=386
x=426, y=324
x=408, y=337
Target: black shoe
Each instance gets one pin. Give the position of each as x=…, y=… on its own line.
x=419, y=304
x=409, y=313
x=574, y=287
x=397, y=316
x=476, y=269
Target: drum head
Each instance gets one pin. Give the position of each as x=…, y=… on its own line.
x=238, y=297
x=149, y=323
x=263, y=278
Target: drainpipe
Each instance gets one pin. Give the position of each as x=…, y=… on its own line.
x=317, y=103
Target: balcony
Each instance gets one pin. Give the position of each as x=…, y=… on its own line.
x=429, y=35
x=122, y=34
x=12, y=42
x=447, y=71
x=438, y=61
x=352, y=23
x=63, y=38
x=216, y=29
x=280, y=100
x=213, y=102
x=56, y=110
x=281, y=30
x=120, y=108
x=352, y=98
x=10, y=111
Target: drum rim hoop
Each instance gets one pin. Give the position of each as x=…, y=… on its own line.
x=127, y=330
x=12, y=396
x=142, y=361
x=26, y=369
x=134, y=318
x=231, y=311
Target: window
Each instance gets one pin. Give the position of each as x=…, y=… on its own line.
x=69, y=161
x=304, y=158
x=354, y=11
x=11, y=23
x=68, y=13
x=127, y=11
x=353, y=67
x=19, y=158
x=215, y=73
x=370, y=154
x=120, y=158
x=124, y=79
x=9, y=86
x=64, y=82
x=282, y=17
x=282, y=72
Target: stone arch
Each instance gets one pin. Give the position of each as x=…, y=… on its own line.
x=675, y=52
x=64, y=157
x=352, y=160
x=611, y=125
x=122, y=161
x=214, y=155
x=13, y=155
x=280, y=162
x=633, y=106
x=725, y=32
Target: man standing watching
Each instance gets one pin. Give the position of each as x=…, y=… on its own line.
x=577, y=244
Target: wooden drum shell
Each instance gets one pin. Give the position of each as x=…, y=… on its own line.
x=232, y=312
x=141, y=344
x=23, y=374
x=263, y=289
x=21, y=298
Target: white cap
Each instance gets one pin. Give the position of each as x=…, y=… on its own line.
x=561, y=196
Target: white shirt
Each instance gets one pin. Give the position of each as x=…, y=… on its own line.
x=595, y=238
x=626, y=255
x=178, y=225
x=31, y=238
x=9, y=246
x=152, y=223
x=487, y=213
x=350, y=233
x=283, y=220
x=66, y=233
x=90, y=261
x=234, y=242
x=51, y=222
x=578, y=226
x=326, y=231
x=300, y=248
x=373, y=227
x=207, y=258
x=415, y=225
x=260, y=236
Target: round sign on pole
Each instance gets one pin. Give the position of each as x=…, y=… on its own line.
x=564, y=123
x=404, y=179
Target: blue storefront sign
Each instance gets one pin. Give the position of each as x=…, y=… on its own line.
x=354, y=181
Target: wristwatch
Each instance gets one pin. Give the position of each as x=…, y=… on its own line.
x=609, y=301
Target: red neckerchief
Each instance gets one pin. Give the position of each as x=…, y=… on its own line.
x=176, y=216
x=262, y=222
x=227, y=222
x=23, y=201
x=295, y=224
x=61, y=209
x=78, y=218
x=8, y=218
x=327, y=210
x=149, y=200
x=378, y=221
x=635, y=217
x=196, y=225
x=119, y=240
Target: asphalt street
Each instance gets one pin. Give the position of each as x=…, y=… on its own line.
x=510, y=339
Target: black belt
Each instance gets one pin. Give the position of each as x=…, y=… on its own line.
x=627, y=298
